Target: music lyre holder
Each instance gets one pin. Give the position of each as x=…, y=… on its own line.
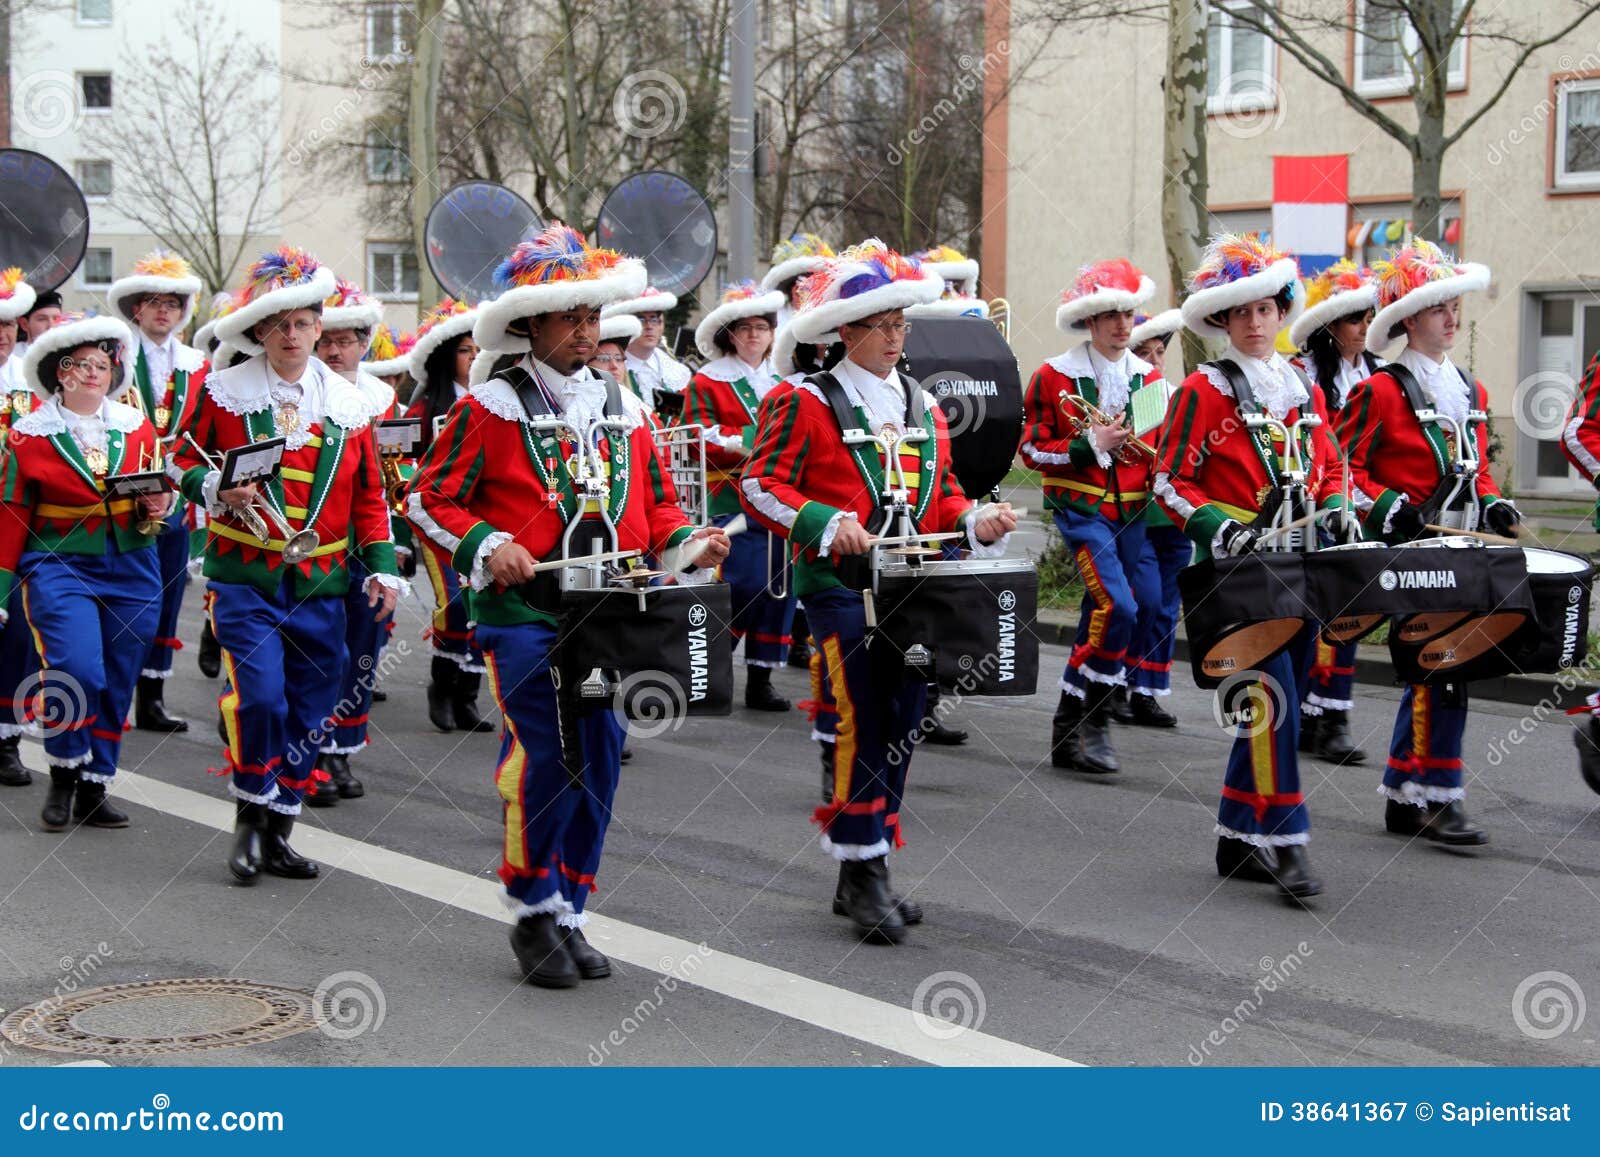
x=899, y=527
x=1289, y=530
x=1459, y=509
x=593, y=570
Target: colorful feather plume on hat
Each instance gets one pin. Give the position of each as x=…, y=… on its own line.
x=560, y=253
x=1231, y=257
x=800, y=245
x=1411, y=268
x=280, y=269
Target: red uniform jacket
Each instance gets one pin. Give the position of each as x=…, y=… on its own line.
x=1073, y=476
x=728, y=412
x=1580, y=437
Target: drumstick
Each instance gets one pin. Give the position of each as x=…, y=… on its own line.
x=583, y=560
x=690, y=551
x=1495, y=539
x=1285, y=529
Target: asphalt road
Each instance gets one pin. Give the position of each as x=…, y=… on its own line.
x=1078, y=917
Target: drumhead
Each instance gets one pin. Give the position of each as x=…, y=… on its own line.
x=1467, y=642
x=1248, y=647
x=1552, y=562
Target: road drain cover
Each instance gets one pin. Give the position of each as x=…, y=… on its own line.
x=157, y=1017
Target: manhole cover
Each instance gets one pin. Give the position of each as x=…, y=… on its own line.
x=153, y=1017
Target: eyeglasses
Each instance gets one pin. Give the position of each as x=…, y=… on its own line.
x=341, y=341
x=651, y=318
x=752, y=329
x=288, y=326
x=89, y=365
x=606, y=359
x=886, y=328
x=169, y=303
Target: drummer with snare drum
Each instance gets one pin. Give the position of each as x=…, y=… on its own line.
x=1416, y=434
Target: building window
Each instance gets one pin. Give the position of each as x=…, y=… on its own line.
x=391, y=30
x=386, y=156
x=95, y=88
x=94, y=11
x=827, y=9
x=1387, y=50
x=766, y=23
x=1567, y=327
x=94, y=178
x=1391, y=228
x=96, y=270
x=1242, y=72
x=392, y=270
x=1578, y=134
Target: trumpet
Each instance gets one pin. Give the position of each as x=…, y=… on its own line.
x=298, y=545
x=1097, y=417
x=1000, y=315
x=394, y=485
x=148, y=525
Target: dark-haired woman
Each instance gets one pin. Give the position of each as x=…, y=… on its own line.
x=90, y=579
x=441, y=363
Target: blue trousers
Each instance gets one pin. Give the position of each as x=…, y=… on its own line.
x=1332, y=683
x=1107, y=556
x=878, y=718
x=19, y=663
x=555, y=822
x=1167, y=550
x=451, y=631
x=1261, y=798
x=282, y=658
x=363, y=639
x=1425, y=749
x=763, y=622
x=92, y=617
x=172, y=554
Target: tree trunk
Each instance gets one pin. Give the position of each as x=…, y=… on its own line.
x=423, y=143
x=5, y=74
x=1183, y=196
x=575, y=197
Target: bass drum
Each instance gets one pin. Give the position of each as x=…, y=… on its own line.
x=972, y=373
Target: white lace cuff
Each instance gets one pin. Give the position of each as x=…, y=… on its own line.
x=208, y=492
x=392, y=581
x=979, y=549
x=1388, y=518
x=1102, y=455
x=479, y=578
x=825, y=544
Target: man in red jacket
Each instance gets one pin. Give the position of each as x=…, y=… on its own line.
x=1580, y=441
x=806, y=483
x=497, y=496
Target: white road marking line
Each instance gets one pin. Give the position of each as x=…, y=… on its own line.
x=825, y=1006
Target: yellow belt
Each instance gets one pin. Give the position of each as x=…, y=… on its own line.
x=1238, y=513
x=1095, y=491
x=116, y=506
x=294, y=475
x=276, y=544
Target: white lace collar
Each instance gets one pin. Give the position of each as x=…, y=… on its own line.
x=1278, y=389
x=584, y=393
x=730, y=369
x=52, y=418
x=1112, y=379
x=1442, y=384
x=247, y=389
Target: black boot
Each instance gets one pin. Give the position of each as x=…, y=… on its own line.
x=1238, y=860
x=324, y=792
x=1293, y=873
x=464, y=700
x=379, y=695
x=344, y=781
x=14, y=774
x=910, y=911
x=800, y=654
x=1095, y=754
x=1064, y=742
x=210, y=657
x=278, y=857
x=864, y=892
x=934, y=731
x=627, y=754
x=92, y=807
x=759, y=694
x=1587, y=739
x=591, y=962
x=541, y=949
x=1444, y=823
x=149, y=712
x=441, y=693
x=244, y=861
x=57, y=811
x=1121, y=711
x=1333, y=741
x=1148, y=712
x=1310, y=726
x=827, y=771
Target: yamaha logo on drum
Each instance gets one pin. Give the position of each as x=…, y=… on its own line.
x=1008, y=600
x=699, y=666
x=1408, y=580
x=1006, y=642
x=697, y=615
x=1387, y=581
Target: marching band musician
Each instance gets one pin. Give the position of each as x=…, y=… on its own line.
x=85, y=561
x=17, y=660
x=1331, y=335
x=496, y=521
x=1397, y=465
x=960, y=273
x=280, y=621
x=349, y=320
x=1580, y=442
x=736, y=340
x=650, y=371
x=1096, y=485
x=793, y=258
x=209, y=655
x=158, y=299
x=821, y=493
x=441, y=363
x=1212, y=475
x=1167, y=550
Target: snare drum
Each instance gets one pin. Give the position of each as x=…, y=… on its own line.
x=1560, y=585
x=1457, y=644
x=1241, y=612
x=966, y=624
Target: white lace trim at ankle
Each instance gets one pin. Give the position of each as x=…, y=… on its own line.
x=284, y=809
x=572, y=919
x=152, y=673
x=250, y=798
x=1261, y=841
x=1330, y=704
x=95, y=777
x=1422, y=794
x=557, y=904
x=76, y=761
x=855, y=851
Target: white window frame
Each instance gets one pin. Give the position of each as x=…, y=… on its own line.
x=1227, y=102
x=391, y=52
x=78, y=173
x=1564, y=179
x=91, y=22
x=83, y=270
x=390, y=249
x=1455, y=80
x=93, y=110
x=374, y=177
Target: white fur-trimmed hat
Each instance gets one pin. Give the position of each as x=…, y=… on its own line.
x=653, y=300
x=747, y=299
x=1234, y=270
x=1338, y=291
x=1162, y=325
x=348, y=307
x=623, y=327
x=221, y=306
x=156, y=272
x=951, y=307
x=1413, y=279
x=71, y=331
x=865, y=279
x=279, y=281
x=449, y=319
x=1103, y=287
x=953, y=266
x=795, y=256
x=556, y=270
x=16, y=295
x=389, y=352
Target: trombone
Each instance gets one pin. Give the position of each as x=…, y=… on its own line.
x=1097, y=417
x=298, y=545
x=394, y=484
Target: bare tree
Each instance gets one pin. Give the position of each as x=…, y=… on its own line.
x=1183, y=153
x=196, y=136
x=1424, y=34
x=427, y=56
